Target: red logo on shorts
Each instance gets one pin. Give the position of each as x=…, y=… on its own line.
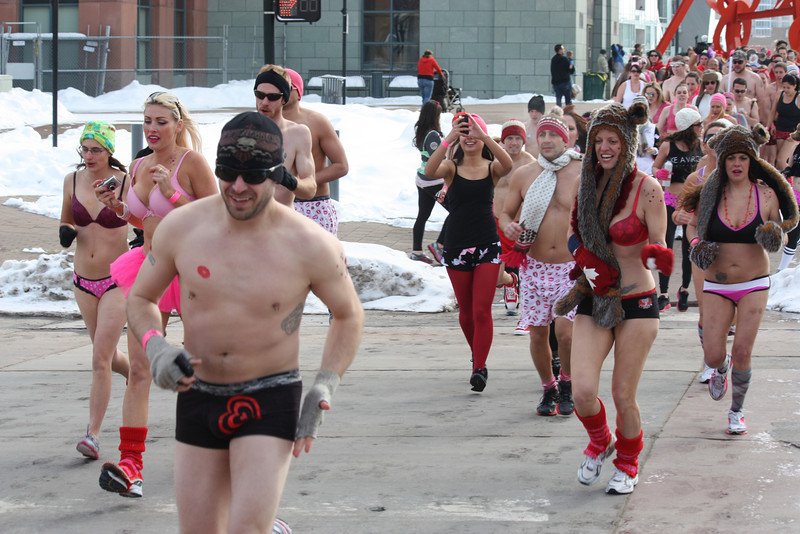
x=241, y=409
x=646, y=303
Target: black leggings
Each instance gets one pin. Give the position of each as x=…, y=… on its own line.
x=426, y=202
x=686, y=263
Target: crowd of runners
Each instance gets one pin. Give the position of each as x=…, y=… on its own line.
x=568, y=214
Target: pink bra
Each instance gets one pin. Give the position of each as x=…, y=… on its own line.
x=159, y=205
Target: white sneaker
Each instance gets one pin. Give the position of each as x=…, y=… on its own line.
x=622, y=483
x=736, y=424
x=279, y=527
x=521, y=330
x=589, y=471
x=718, y=385
x=706, y=375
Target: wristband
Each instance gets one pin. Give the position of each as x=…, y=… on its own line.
x=175, y=196
x=147, y=335
x=445, y=143
x=126, y=213
x=694, y=241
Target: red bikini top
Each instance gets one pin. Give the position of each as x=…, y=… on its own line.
x=630, y=230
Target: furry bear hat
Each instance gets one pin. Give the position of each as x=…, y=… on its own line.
x=592, y=221
x=740, y=140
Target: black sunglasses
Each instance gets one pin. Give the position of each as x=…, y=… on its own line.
x=709, y=83
x=272, y=97
x=740, y=91
x=251, y=177
x=738, y=61
x=634, y=71
x=708, y=137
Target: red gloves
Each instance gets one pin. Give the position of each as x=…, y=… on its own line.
x=600, y=275
x=658, y=257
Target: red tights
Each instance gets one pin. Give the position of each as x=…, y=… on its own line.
x=475, y=293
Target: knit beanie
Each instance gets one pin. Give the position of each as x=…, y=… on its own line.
x=554, y=124
x=513, y=127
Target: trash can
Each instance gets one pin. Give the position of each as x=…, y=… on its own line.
x=332, y=89
x=594, y=84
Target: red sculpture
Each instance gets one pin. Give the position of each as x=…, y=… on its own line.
x=736, y=17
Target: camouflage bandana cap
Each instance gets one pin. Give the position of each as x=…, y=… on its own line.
x=250, y=141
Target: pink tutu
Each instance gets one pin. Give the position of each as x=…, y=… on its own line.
x=124, y=270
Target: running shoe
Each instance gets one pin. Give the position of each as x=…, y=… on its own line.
x=436, y=251
x=589, y=471
x=547, y=406
x=736, y=424
x=89, y=446
x=622, y=483
x=705, y=376
x=521, y=330
x=683, y=299
x=421, y=257
x=123, y=478
x=565, y=403
x=663, y=303
x=280, y=527
x=478, y=379
x=511, y=295
x=718, y=385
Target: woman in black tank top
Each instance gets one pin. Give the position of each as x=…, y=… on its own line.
x=472, y=246
x=784, y=118
x=683, y=151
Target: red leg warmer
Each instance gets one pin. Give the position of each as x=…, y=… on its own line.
x=628, y=453
x=599, y=432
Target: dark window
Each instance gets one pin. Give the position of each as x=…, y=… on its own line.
x=390, y=35
x=143, y=37
x=180, y=33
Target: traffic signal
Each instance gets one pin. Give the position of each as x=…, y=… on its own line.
x=298, y=10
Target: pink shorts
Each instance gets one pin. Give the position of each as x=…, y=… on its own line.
x=541, y=285
x=321, y=211
x=124, y=270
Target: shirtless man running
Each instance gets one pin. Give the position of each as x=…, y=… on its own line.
x=535, y=112
x=244, y=281
x=325, y=145
x=551, y=182
x=512, y=139
x=272, y=91
x=678, y=64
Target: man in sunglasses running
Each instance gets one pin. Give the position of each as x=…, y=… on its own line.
x=246, y=265
x=272, y=90
x=755, y=88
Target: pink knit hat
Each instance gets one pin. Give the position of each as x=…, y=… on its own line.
x=718, y=97
x=297, y=81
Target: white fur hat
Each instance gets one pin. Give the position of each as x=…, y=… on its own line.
x=685, y=118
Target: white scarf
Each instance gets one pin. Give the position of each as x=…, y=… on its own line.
x=540, y=193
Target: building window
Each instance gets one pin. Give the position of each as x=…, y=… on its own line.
x=180, y=34
x=143, y=37
x=390, y=39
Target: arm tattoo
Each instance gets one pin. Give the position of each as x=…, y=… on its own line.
x=150, y=258
x=721, y=277
x=627, y=289
x=292, y=321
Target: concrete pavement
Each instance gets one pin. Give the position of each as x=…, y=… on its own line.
x=407, y=446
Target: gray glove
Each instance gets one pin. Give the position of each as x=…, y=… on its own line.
x=168, y=364
x=311, y=414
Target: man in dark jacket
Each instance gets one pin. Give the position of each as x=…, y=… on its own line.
x=560, y=70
